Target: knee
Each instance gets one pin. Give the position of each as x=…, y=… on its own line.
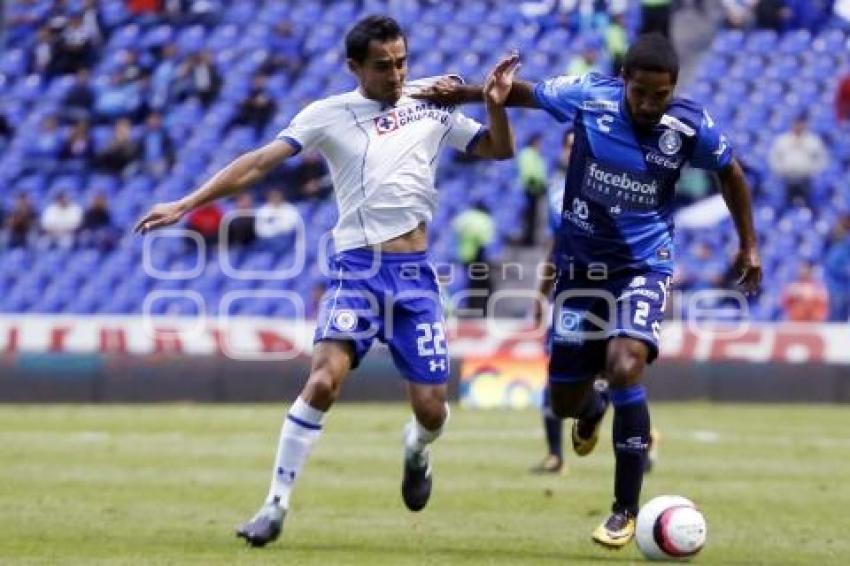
x=624, y=367
x=431, y=414
x=322, y=389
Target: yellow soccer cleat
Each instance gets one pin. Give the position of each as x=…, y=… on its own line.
x=584, y=445
x=617, y=531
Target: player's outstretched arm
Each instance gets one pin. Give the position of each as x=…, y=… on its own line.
x=737, y=196
x=240, y=174
x=449, y=91
x=498, y=141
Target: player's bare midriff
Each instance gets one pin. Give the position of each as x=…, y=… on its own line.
x=414, y=241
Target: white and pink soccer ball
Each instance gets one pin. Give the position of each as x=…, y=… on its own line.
x=670, y=527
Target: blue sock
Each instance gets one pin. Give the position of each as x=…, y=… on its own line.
x=592, y=412
x=631, y=440
x=553, y=426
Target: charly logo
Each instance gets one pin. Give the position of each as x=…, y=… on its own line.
x=345, y=320
x=670, y=142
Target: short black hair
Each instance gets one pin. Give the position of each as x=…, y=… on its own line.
x=379, y=28
x=652, y=52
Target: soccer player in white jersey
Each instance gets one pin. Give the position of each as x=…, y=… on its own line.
x=382, y=147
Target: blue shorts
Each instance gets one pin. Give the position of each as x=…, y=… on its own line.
x=394, y=297
x=588, y=313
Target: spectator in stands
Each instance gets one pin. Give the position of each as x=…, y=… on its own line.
x=276, y=217
x=162, y=89
x=475, y=230
x=240, y=231
x=92, y=21
x=205, y=221
x=284, y=50
x=841, y=11
x=157, y=147
x=97, y=229
x=19, y=223
x=142, y=7
x=79, y=100
x=655, y=16
x=60, y=221
x=533, y=179
x=46, y=145
x=76, y=46
x=79, y=149
x=584, y=62
x=797, y=157
x=837, y=272
x=772, y=14
x=842, y=99
x=43, y=53
x=6, y=132
x=131, y=68
x=617, y=42
x=200, y=78
x=310, y=176
x=739, y=14
x=804, y=300
x=118, y=98
x=258, y=108
x=121, y=152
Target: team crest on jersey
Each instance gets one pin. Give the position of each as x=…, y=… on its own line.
x=670, y=142
x=639, y=281
x=386, y=123
x=345, y=320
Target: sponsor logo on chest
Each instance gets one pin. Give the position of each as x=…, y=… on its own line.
x=398, y=118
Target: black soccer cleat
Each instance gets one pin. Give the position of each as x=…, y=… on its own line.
x=264, y=527
x=416, y=483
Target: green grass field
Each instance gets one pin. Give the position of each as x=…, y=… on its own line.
x=167, y=484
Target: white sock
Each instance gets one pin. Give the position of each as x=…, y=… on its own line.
x=300, y=431
x=417, y=437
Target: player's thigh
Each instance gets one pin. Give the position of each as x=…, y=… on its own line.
x=578, y=335
x=636, y=329
x=416, y=336
x=349, y=312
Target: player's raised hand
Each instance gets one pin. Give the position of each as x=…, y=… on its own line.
x=497, y=87
x=447, y=90
x=160, y=215
x=748, y=268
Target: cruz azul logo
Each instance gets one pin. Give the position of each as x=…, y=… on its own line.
x=386, y=123
x=628, y=190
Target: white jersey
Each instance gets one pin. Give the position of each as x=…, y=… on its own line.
x=382, y=158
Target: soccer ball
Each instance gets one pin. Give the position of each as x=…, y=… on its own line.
x=670, y=527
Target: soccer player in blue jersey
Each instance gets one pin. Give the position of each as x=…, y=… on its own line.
x=614, y=253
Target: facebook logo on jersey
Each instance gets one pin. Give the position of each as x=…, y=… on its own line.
x=614, y=187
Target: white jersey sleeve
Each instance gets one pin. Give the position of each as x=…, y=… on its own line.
x=305, y=131
x=464, y=132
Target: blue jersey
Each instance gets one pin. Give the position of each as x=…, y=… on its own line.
x=555, y=202
x=617, y=207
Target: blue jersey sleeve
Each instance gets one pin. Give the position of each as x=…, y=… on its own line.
x=712, y=150
x=561, y=96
